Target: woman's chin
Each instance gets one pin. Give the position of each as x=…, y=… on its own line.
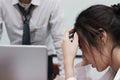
x=93, y=66
x=100, y=69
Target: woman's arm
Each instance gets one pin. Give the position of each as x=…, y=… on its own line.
x=69, y=47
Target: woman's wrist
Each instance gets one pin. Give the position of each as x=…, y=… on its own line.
x=69, y=72
x=69, y=68
x=69, y=63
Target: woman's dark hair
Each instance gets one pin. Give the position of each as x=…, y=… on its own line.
x=91, y=22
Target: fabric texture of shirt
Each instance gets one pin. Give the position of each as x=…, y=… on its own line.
x=81, y=74
x=71, y=78
x=46, y=24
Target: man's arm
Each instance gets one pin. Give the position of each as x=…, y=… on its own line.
x=57, y=31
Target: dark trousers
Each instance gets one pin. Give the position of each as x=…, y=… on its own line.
x=50, y=67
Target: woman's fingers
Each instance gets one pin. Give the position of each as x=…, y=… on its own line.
x=71, y=30
x=69, y=35
x=75, y=38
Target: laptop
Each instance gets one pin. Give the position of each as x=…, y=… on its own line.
x=18, y=62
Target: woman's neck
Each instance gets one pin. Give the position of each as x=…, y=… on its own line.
x=25, y=1
x=116, y=59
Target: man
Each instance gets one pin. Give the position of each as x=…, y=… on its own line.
x=44, y=21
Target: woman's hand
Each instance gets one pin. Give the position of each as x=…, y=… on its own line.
x=69, y=47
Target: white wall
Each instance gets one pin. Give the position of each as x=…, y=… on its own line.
x=74, y=7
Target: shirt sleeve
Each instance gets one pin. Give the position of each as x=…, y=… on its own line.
x=57, y=31
x=1, y=21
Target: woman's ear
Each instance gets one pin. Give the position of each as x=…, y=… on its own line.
x=103, y=35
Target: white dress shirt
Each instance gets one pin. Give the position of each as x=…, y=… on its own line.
x=81, y=74
x=46, y=24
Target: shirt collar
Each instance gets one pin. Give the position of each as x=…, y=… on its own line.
x=117, y=76
x=34, y=2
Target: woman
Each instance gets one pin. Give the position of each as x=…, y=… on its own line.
x=97, y=33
